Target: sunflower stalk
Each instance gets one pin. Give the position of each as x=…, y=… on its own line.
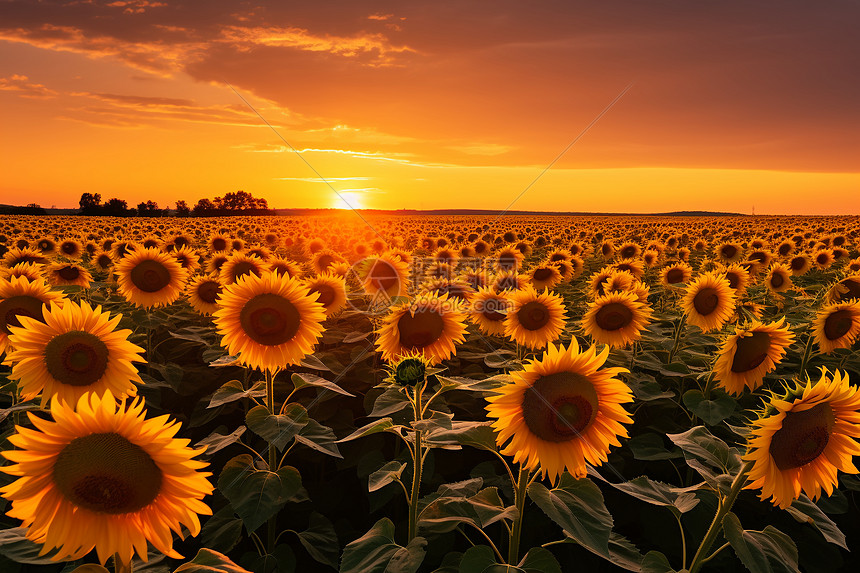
x=273, y=453
x=717, y=524
x=807, y=353
x=522, y=485
x=417, y=462
x=677, y=341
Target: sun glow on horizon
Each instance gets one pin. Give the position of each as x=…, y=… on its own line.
x=347, y=200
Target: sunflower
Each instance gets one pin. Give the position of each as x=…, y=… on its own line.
x=430, y=323
x=148, y=278
x=510, y=281
x=187, y=258
x=287, y=267
x=837, y=326
x=270, y=321
x=709, y=301
x=631, y=266
x=71, y=248
x=32, y=271
x=323, y=259
x=386, y=275
x=679, y=272
x=750, y=353
x=203, y=292
x=534, y=319
x=804, y=438
x=545, y=276
x=738, y=277
x=488, y=310
x=330, y=290
x=454, y=288
x=597, y=280
x=800, y=264
x=17, y=256
x=101, y=476
x=845, y=290
x=778, y=278
x=823, y=258
x=237, y=265
x=62, y=274
x=102, y=260
x=562, y=412
x=729, y=252
x=616, y=319
x=508, y=259
x=629, y=250
x=21, y=297
x=76, y=350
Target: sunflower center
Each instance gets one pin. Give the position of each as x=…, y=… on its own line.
x=325, y=294
x=383, y=276
x=76, y=358
x=675, y=276
x=219, y=244
x=491, y=308
x=706, y=301
x=15, y=306
x=69, y=273
x=613, y=316
x=421, y=329
x=243, y=268
x=729, y=251
x=270, y=319
x=776, y=280
x=106, y=473
x=734, y=280
x=852, y=289
x=560, y=406
x=150, y=276
x=104, y=261
x=803, y=437
x=69, y=248
x=324, y=261
x=797, y=263
x=837, y=324
x=507, y=262
x=533, y=315
x=750, y=351
x=542, y=274
x=208, y=291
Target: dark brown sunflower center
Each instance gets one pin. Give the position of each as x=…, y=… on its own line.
x=219, y=244
x=729, y=251
x=76, y=358
x=555, y=257
x=850, y=288
x=324, y=261
x=803, y=437
x=69, y=248
x=777, y=280
x=706, y=301
x=383, y=276
x=734, y=280
x=822, y=258
x=837, y=324
x=750, y=351
x=69, y=273
x=104, y=261
x=150, y=276
x=325, y=294
x=421, y=329
x=797, y=263
x=106, y=473
x=675, y=276
x=628, y=252
x=543, y=274
x=533, y=315
x=243, y=268
x=15, y=306
x=270, y=319
x=208, y=291
x=507, y=262
x=613, y=316
x=560, y=406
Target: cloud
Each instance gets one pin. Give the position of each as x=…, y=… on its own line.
x=23, y=87
x=318, y=180
x=483, y=149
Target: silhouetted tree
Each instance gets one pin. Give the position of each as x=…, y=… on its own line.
x=116, y=207
x=148, y=209
x=203, y=207
x=182, y=209
x=90, y=203
x=240, y=201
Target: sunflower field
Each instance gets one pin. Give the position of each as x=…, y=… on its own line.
x=452, y=394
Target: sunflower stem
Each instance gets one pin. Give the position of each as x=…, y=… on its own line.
x=417, y=463
x=273, y=454
x=807, y=352
x=678, y=332
x=119, y=566
x=717, y=523
x=520, y=499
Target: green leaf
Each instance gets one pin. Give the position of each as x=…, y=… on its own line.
x=377, y=552
x=318, y=437
x=314, y=363
x=320, y=540
x=215, y=442
x=656, y=562
x=208, y=561
x=654, y=492
x=576, y=505
x=479, y=435
x=449, y=383
x=805, y=511
x=222, y=531
x=302, y=380
x=385, y=475
x=650, y=446
x=277, y=429
x=621, y=552
x=711, y=411
x=374, y=427
x=224, y=361
x=764, y=551
x=710, y=456
x=254, y=494
x=646, y=388
x=540, y=560
x=281, y=560
x=14, y=545
x=481, y=559
x=446, y=512
x=390, y=401
x=232, y=391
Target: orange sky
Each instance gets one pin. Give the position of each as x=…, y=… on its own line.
x=443, y=104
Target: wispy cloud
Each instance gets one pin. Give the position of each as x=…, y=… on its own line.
x=318, y=180
x=25, y=88
x=482, y=149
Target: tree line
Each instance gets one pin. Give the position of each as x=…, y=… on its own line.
x=238, y=203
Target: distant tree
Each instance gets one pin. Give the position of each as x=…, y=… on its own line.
x=203, y=207
x=33, y=206
x=116, y=207
x=182, y=209
x=90, y=203
x=149, y=209
x=240, y=201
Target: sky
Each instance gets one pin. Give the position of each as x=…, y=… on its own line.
x=724, y=106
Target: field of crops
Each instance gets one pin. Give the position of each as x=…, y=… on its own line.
x=439, y=394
